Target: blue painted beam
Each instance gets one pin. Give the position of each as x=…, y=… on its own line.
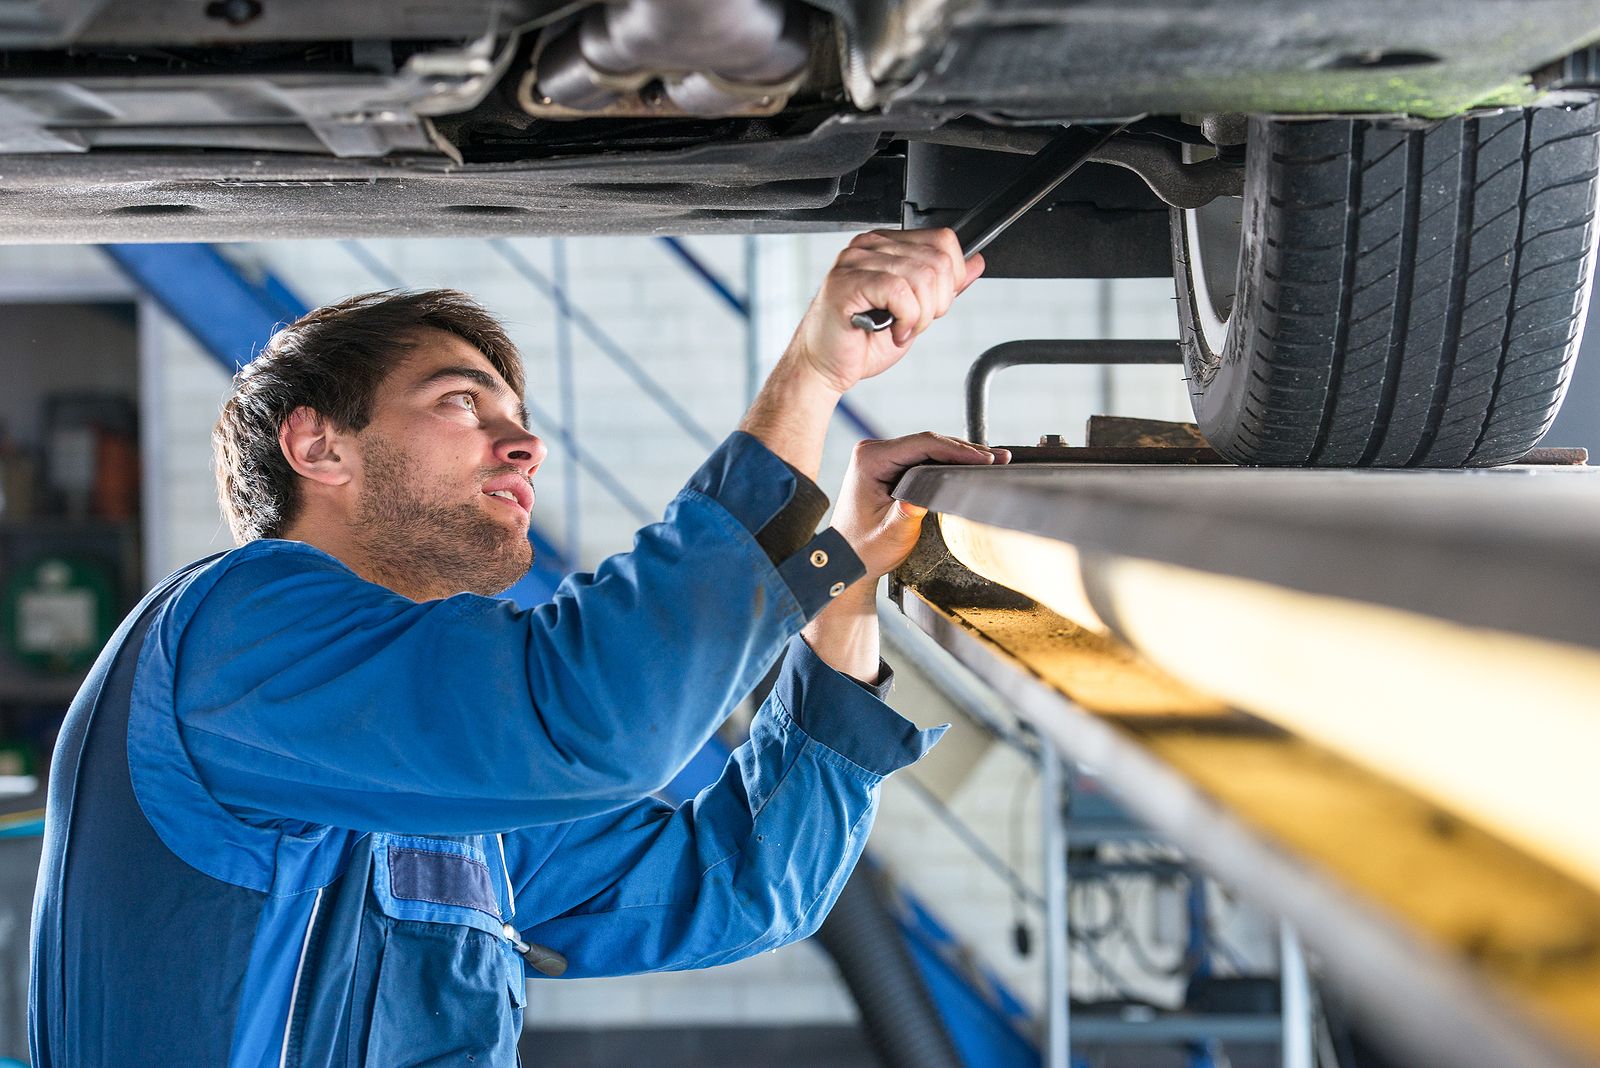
x=230, y=315
x=697, y=266
x=28, y=827
x=985, y=1020
x=741, y=305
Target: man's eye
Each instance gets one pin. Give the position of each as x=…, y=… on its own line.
x=465, y=400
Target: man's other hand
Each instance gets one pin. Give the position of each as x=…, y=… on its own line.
x=915, y=274
x=881, y=529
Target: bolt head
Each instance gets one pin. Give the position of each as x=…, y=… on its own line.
x=234, y=12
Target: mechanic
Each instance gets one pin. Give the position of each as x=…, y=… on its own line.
x=324, y=800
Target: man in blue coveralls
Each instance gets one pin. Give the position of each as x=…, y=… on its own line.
x=323, y=800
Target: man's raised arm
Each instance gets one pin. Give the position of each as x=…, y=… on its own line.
x=915, y=274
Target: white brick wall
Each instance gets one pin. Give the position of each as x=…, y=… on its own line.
x=192, y=387
x=794, y=985
x=696, y=347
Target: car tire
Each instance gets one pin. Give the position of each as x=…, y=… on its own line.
x=1391, y=296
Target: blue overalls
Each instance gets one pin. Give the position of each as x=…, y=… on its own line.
x=297, y=819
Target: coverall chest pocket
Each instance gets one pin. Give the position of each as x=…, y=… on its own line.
x=449, y=984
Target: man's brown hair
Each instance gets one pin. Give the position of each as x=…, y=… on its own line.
x=331, y=360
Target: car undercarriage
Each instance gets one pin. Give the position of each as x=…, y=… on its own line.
x=1380, y=219
x=239, y=118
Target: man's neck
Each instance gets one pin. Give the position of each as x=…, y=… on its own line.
x=340, y=542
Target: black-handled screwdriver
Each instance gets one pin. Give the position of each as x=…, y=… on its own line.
x=1049, y=167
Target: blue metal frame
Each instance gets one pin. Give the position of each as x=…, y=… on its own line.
x=229, y=314
x=26, y=827
x=567, y=390
x=1197, y=952
x=985, y=1020
x=603, y=341
x=703, y=271
x=718, y=285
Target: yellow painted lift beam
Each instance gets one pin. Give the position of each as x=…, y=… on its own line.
x=1370, y=700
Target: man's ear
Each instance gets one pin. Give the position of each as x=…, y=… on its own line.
x=315, y=448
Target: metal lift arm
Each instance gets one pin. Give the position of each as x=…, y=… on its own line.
x=1468, y=935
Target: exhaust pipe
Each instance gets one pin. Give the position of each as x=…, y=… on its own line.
x=712, y=58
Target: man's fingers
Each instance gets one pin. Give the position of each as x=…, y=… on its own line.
x=923, y=268
x=929, y=274
x=973, y=271
x=942, y=448
x=884, y=461
x=941, y=241
x=930, y=260
x=938, y=237
x=880, y=288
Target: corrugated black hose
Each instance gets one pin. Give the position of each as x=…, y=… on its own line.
x=898, y=1015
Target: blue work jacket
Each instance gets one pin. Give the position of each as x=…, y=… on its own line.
x=298, y=819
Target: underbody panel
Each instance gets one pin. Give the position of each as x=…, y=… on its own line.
x=1040, y=60
x=128, y=121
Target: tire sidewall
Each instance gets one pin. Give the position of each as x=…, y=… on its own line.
x=1218, y=385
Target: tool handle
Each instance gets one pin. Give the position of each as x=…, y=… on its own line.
x=873, y=320
x=1048, y=168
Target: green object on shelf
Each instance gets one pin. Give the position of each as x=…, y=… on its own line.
x=15, y=759
x=57, y=611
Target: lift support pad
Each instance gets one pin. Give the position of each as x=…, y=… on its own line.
x=1466, y=930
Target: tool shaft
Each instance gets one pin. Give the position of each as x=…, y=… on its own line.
x=1046, y=169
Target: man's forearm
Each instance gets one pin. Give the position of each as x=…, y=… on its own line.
x=790, y=414
x=844, y=635
x=914, y=274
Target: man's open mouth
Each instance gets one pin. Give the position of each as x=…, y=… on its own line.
x=513, y=491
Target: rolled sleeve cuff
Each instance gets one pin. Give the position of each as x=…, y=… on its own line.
x=780, y=507
x=823, y=568
x=847, y=716
x=773, y=501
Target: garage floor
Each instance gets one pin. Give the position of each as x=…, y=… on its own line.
x=792, y=1047
x=681, y=1047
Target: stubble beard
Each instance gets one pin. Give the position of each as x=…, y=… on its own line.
x=420, y=545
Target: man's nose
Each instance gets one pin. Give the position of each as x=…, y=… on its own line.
x=523, y=449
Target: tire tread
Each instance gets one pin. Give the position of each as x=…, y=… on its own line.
x=1415, y=294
